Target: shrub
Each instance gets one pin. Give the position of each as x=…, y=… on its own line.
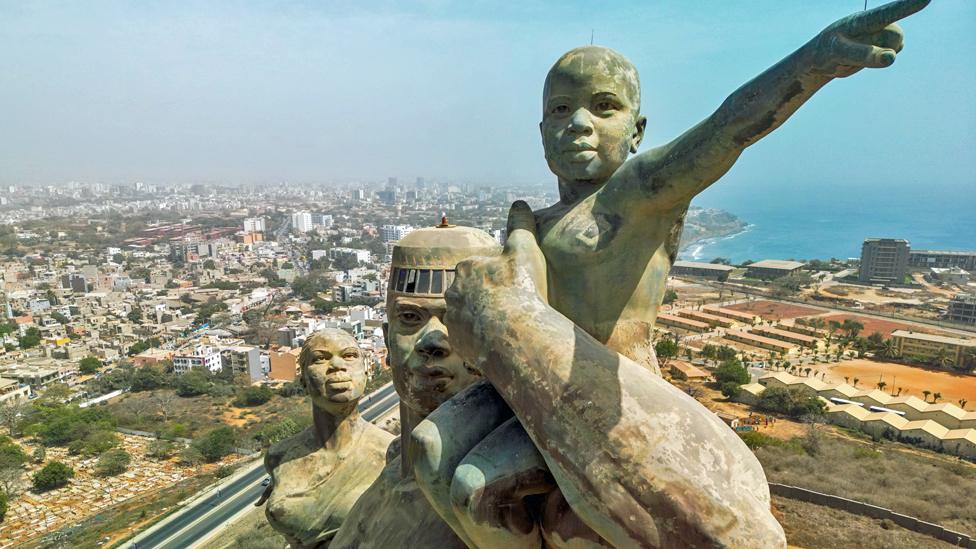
x=253, y=396
x=113, y=462
x=278, y=431
x=53, y=475
x=216, y=443
x=161, y=449
x=224, y=471
x=755, y=439
x=793, y=402
x=38, y=455
x=192, y=383
x=730, y=389
x=3, y=504
x=12, y=456
x=190, y=456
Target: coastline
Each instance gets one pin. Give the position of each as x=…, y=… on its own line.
x=698, y=245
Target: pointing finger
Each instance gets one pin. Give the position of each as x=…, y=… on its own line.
x=878, y=18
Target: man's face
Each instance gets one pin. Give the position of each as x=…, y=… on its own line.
x=426, y=371
x=590, y=121
x=334, y=373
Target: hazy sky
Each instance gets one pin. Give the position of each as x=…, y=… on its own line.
x=322, y=91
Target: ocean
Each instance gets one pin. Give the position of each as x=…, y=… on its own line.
x=819, y=223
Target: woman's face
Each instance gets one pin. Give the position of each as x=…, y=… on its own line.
x=334, y=373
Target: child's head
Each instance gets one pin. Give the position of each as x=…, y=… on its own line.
x=591, y=114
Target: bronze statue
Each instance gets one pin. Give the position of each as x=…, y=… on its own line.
x=600, y=449
x=318, y=474
x=393, y=512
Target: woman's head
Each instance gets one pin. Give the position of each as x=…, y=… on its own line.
x=333, y=370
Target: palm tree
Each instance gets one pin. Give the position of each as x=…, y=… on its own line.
x=936, y=397
x=882, y=385
x=926, y=394
x=856, y=379
x=942, y=358
x=899, y=391
x=806, y=371
x=888, y=349
x=847, y=380
x=962, y=403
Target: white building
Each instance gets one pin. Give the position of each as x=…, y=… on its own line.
x=362, y=256
x=200, y=356
x=393, y=233
x=254, y=225
x=301, y=221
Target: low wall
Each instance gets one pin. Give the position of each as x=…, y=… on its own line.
x=873, y=511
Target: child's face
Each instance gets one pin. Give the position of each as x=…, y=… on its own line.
x=590, y=121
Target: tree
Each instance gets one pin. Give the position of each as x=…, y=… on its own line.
x=3, y=504
x=665, y=349
x=60, y=318
x=732, y=371
x=876, y=340
x=135, y=315
x=851, y=328
x=38, y=455
x=942, y=358
x=926, y=394
x=193, y=383
x=856, y=379
x=882, y=385
x=209, y=264
x=936, y=397
x=670, y=296
x=89, y=365
x=253, y=396
x=795, y=402
x=31, y=338
x=52, y=475
x=147, y=378
x=888, y=349
x=216, y=443
x=113, y=462
x=731, y=389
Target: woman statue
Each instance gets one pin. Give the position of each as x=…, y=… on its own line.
x=319, y=473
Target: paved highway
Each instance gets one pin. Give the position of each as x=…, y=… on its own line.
x=212, y=511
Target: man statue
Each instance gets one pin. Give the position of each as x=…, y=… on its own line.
x=319, y=473
x=393, y=512
x=636, y=462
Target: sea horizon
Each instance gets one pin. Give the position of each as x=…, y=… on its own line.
x=828, y=224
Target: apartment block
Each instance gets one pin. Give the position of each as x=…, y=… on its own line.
x=884, y=260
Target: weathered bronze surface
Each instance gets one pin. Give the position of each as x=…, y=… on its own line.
x=318, y=474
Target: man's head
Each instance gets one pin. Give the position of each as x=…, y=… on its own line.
x=426, y=371
x=333, y=371
x=591, y=114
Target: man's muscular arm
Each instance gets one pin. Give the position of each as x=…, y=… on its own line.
x=640, y=462
x=674, y=173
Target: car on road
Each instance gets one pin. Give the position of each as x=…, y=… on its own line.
x=266, y=481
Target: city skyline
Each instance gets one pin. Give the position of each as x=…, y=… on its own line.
x=226, y=94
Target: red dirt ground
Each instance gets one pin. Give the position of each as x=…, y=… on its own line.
x=913, y=380
x=773, y=310
x=872, y=325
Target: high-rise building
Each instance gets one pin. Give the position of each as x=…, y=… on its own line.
x=301, y=221
x=254, y=225
x=393, y=233
x=321, y=220
x=884, y=260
